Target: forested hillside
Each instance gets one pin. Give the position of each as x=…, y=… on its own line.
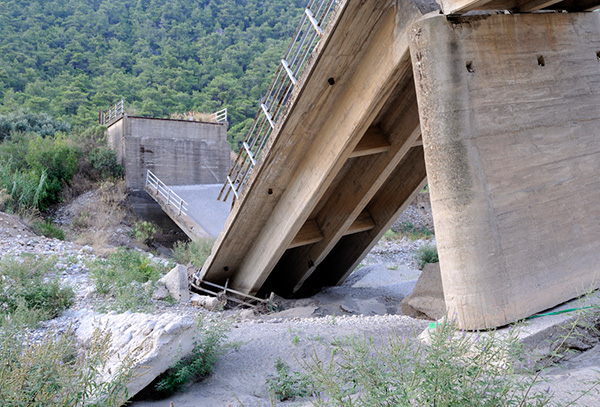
x=71, y=58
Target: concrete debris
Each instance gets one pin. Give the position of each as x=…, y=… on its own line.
x=427, y=298
x=153, y=343
x=176, y=282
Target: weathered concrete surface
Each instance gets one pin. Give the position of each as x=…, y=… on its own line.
x=317, y=194
x=178, y=151
x=523, y=6
x=427, y=298
x=510, y=114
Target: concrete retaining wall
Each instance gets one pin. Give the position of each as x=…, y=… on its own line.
x=179, y=152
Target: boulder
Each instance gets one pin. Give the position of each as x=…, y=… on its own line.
x=152, y=343
x=176, y=282
x=427, y=299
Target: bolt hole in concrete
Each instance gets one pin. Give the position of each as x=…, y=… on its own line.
x=331, y=81
x=541, y=60
x=225, y=268
x=470, y=68
x=598, y=55
x=270, y=191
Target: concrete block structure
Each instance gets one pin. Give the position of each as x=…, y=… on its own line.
x=179, y=152
x=510, y=118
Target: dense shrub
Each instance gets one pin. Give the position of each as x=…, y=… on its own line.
x=104, y=162
x=24, y=121
x=33, y=169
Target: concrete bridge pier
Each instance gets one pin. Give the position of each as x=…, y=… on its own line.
x=510, y=118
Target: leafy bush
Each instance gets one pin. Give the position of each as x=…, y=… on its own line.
x=287, y=385
x=195, y=366
x=24, y=121
x=26, y=296
x=128, y=276
x=104, y=162
x=426, y=254
x=143, y=231
x=195, y=252
x=454, y=370
x=33, y=170
x=49, y=229
x=56, y=372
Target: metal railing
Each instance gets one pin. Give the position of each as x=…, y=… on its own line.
x=160, y=188
x=220, y=116
x=111, y=114
x=305, y=39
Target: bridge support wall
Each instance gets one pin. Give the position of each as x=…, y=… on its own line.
x=510, y=115
x=179, y=152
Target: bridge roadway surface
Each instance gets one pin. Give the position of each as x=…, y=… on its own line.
x=346, y=158
x=208, y=212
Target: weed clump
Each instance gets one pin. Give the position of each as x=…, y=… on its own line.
x=194, y=367
x=128, y=276
x=426, y=254
x=143, y=231
x=49, y=229
x=287, y=385
x=27, y=294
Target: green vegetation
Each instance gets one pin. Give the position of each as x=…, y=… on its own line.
x=71, y=58
x=287, y=385
x=410, y=231
x=104, y=161
x=195, y=366
x=26, y=295
x=143, y=231
x=426, y=254
x=48, y=228
x=455, y=369
x=58, y=372
x=195, y=252
x=128, y=277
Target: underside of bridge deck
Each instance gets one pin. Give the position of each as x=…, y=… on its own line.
x=353, y=159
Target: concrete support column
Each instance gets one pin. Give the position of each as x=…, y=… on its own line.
x=510, y=115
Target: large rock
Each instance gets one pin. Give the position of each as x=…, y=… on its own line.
x=427, y=299
x=176, y=282
x=152, y=342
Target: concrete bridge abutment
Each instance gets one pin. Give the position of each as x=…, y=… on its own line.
x=509, y=107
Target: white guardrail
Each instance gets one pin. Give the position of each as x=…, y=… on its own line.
x=306, y=38
x=172, y=199
x=111, y=114
x=220, y=116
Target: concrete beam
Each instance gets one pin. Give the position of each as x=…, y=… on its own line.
x=511, y=123
x=365, y=51
x=463, y=6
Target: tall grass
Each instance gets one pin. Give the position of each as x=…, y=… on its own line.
x=58, y=372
